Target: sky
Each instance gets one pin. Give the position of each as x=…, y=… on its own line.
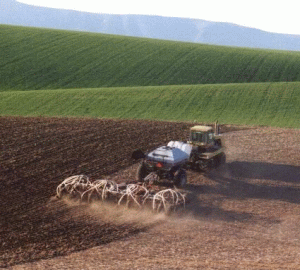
x=272, y=16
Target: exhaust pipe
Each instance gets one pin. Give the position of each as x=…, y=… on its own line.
x=217, y=128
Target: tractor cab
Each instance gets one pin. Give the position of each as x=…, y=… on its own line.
x=207, y=148
x=202, y=136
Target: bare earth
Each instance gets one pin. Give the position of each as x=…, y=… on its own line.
x=245, y=215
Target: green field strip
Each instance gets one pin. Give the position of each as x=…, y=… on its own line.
x=268, y=104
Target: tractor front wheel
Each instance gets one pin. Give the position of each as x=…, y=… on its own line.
x=203, y=165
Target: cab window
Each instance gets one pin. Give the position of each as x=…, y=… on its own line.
x=197, y=136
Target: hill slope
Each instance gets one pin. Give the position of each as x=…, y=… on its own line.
x=182, y=29
x=51, y=59
x=272, y=104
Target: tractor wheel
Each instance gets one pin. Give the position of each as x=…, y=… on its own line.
x=180, y=178
x=141, y=172
x=222, y=159
x=203, y=165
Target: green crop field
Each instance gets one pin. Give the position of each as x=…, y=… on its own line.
x=35, y=59
x=47, y=72
x=272, y=104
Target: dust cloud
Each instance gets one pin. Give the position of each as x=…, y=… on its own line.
x=112, y=213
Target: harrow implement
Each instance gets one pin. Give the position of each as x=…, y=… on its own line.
x=134, y=194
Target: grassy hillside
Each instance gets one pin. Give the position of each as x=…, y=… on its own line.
x=34, y=59
x=272, y=104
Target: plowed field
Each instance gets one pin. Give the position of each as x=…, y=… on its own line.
x=245, y=215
